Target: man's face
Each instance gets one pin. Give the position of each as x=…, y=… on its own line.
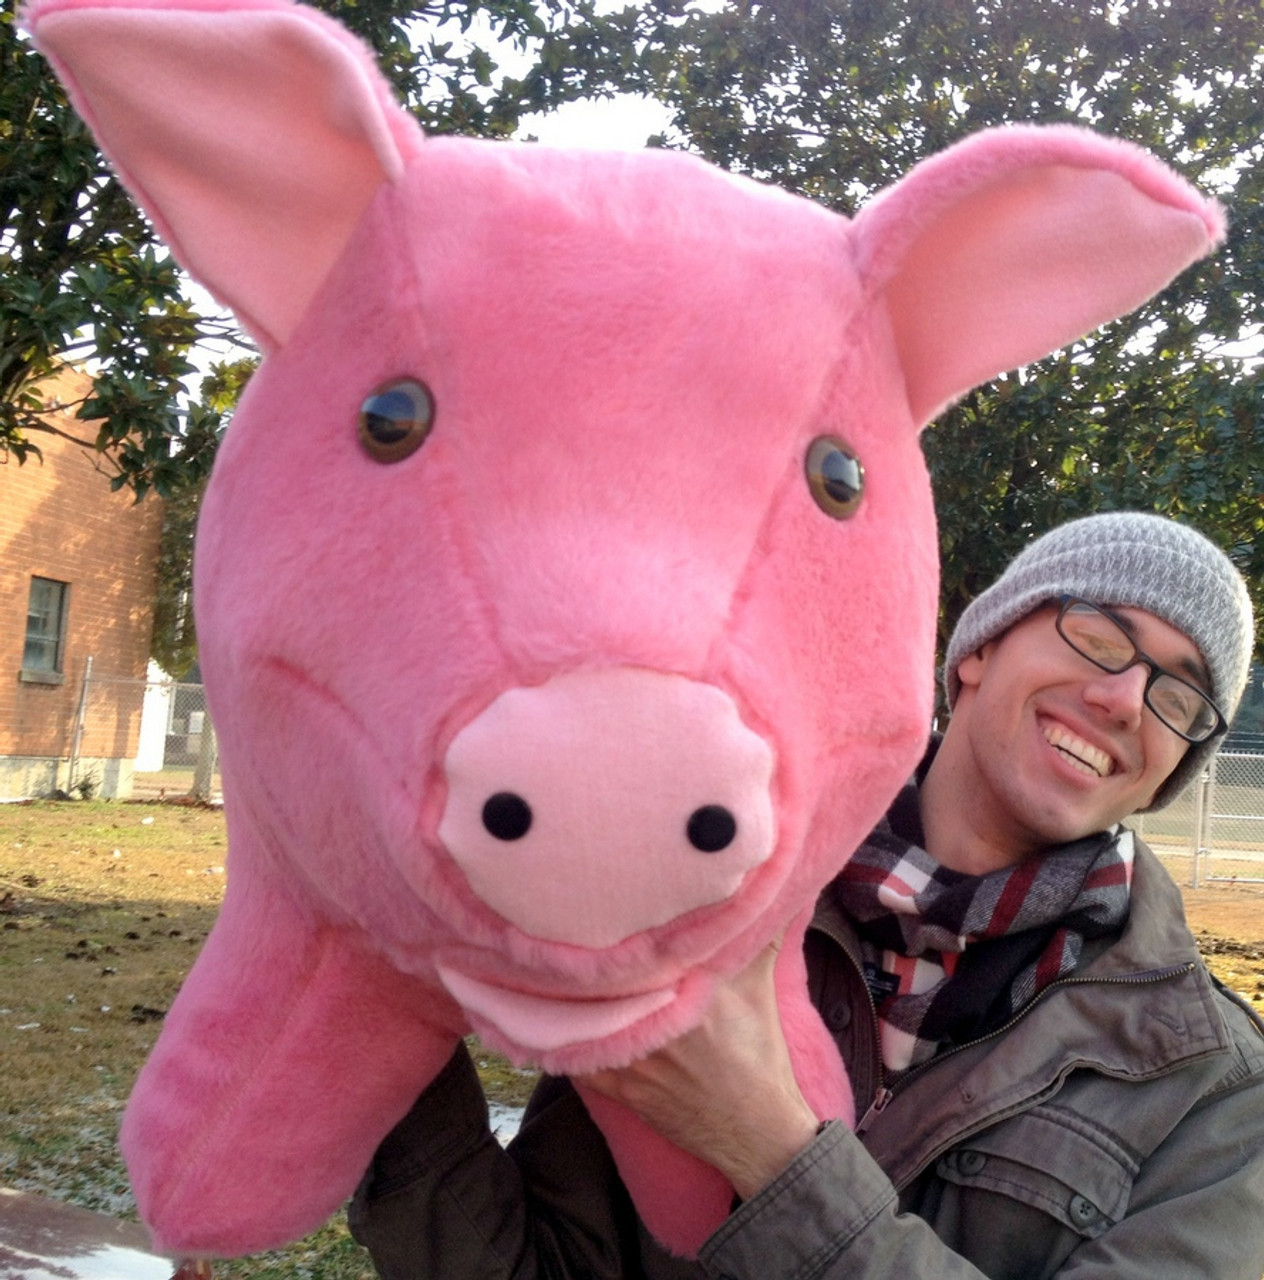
x=1062, y=748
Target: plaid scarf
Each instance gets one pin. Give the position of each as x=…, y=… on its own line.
x=950, y=957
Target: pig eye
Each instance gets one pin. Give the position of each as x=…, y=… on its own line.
x=395, y=420
x=835, y=477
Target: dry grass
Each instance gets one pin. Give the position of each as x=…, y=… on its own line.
x=102, y=910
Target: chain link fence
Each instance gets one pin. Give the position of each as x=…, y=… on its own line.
x=1215, y=831
x=143, y=739
x=159, y=732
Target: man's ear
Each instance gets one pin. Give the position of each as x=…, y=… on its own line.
x=970, y=668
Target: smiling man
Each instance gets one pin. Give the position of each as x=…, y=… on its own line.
x=1049, y=1081
x=1084, y=687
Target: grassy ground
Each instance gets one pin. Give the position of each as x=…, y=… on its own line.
x=102, y=909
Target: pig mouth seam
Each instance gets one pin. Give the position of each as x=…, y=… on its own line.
x=546, y=1023
x=561, y=999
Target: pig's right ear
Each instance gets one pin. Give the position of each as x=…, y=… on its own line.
x=253, y=133
x=1017, y=241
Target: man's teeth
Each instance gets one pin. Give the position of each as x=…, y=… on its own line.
x=1081, y=754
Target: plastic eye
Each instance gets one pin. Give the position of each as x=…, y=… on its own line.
x=395, y=420
x=507, y=816
x=835, y=477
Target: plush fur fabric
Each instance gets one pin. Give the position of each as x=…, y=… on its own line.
x=602, y=587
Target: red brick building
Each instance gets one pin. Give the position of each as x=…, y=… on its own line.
x=77, y=577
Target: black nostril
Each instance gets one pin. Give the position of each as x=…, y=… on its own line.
x=711, y=828
x=507, y=816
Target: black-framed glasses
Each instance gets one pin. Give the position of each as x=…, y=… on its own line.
x=1100, y=637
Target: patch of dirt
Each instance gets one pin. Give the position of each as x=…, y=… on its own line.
x=1228, y=911
x=1228, y=921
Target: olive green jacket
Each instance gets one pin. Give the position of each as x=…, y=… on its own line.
x=1115, y=1128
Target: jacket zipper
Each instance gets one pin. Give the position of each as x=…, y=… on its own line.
x=1149, y=978
x=879, y=1104
x=884, y=1094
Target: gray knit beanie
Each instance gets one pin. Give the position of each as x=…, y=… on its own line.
x=1128, y=559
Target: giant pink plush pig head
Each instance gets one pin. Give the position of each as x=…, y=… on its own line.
x=567, y=582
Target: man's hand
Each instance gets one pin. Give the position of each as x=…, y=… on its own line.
x=724, y=1091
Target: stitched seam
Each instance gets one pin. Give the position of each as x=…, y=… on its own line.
x=784, y=1185
x=816, y=1265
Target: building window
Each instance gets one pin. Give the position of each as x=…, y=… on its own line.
x=45, y=627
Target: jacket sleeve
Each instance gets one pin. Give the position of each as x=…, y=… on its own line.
x=443, y=1199
x=832, y=1213
x=1196, y=1207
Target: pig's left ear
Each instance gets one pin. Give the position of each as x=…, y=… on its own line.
x=1017, y=241
x=253, y=132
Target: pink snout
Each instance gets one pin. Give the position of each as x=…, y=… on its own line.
x=606, y=802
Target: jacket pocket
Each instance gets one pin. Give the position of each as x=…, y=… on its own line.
x=1053, y=1160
